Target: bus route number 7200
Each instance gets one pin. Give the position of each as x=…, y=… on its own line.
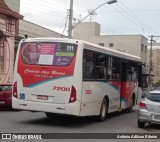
x=58, y=88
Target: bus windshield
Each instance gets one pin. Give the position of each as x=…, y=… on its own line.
x=48, y=53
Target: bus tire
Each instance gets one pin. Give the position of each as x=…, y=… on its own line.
x=48, y=114
x=103, y=111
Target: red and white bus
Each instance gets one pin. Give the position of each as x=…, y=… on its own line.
x=73, y=77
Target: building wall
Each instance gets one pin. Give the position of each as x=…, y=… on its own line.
x=7, y=38
x=155, y=63
x=33, y=30
x=7, y=75
x=2, y=22
x=85, y=30
x=143, y=48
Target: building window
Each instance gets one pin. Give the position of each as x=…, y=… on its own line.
x=145, y=49
x=1, y=55
x=10, y=24
x=142, y=48
x=111, y=45
x=101, y=44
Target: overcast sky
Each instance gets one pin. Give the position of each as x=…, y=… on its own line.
x=123, y=17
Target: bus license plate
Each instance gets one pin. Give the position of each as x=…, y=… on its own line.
x=42, y=97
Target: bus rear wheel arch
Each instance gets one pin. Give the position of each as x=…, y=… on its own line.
x=103, y=110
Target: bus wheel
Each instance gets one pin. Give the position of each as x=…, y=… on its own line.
x=50, y=114
x=103, y=111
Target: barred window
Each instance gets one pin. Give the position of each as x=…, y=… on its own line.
x=1, y=54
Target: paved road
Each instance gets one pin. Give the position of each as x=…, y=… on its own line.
x=28, y=122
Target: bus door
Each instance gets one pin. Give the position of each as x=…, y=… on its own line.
x=123, y=78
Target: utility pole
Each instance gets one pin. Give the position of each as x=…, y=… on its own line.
x=150, y=60
x=70, y=19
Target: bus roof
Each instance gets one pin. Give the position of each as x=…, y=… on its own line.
x=97, y=47
x=116, y=52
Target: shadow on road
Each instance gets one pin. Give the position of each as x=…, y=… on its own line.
x=152, y=127
x=71, y=121
x=62, y=121
x=8, y=110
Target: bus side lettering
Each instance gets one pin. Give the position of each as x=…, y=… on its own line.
x=58, y=88
x=88, y=92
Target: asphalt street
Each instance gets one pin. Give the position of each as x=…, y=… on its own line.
x=12, y=121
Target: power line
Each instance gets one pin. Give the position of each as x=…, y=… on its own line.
x=89, y=14
x=29, y=5
x=138, y=22
x=43, y=11
x=48, y=6
x=135, y=17
x=50, y=3
x=65, y=18
x=131, y=20
x=64, y=28
x=106, y=11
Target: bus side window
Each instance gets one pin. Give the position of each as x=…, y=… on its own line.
x=129, y=72
x=101, y=73
x=113, y=68
x=88, y=73
x=88, y=65
x=100, y=66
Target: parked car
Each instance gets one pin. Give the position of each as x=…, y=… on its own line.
x=6, y=95
x=149, y=109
